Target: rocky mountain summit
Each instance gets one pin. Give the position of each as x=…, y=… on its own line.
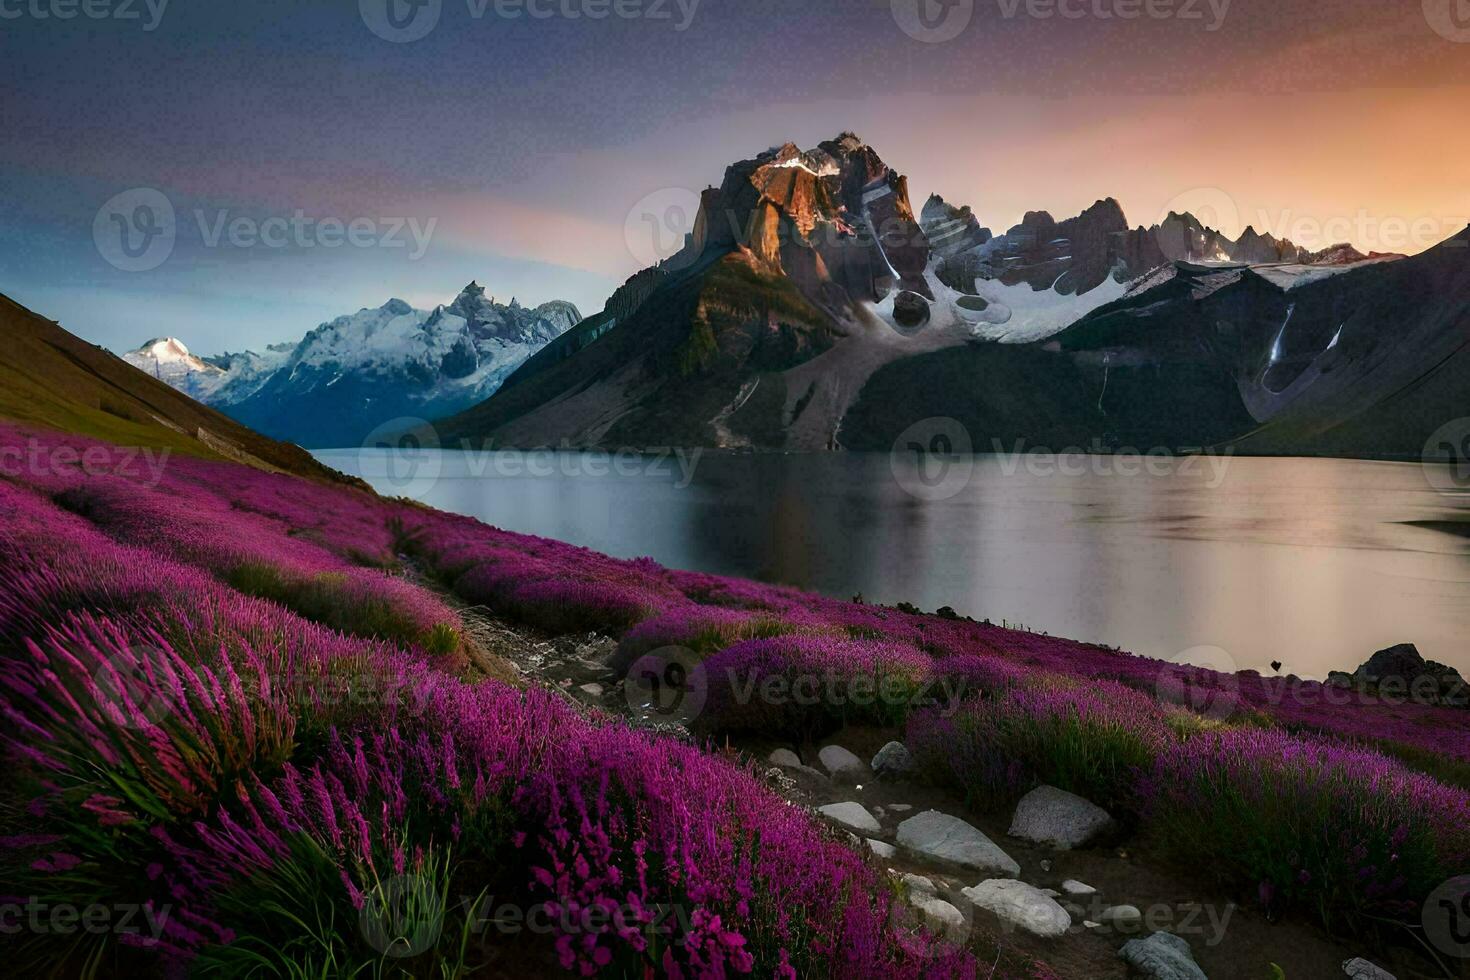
x=811, y=308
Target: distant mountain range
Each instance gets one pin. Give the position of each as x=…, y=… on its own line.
x=347, y=377
x=812, y=309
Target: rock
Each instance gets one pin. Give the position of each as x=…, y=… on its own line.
x=1124, y=918
x=1051, y=893
x=1361, y=969
x=1054, y=817
x=841, y=763
x=1021, y=905
x=900, y=807
x=785, y=757
x=1076, y=888
x=917, y=883
x=1162, y=956
x=591, y=690
x=851, y=815
x=941, y=917
x=1339, y=678
x=910, y=309
x=1400, y=671
x=1089, y=924
x=947, y=839
x=893, y=760
x=881, y=849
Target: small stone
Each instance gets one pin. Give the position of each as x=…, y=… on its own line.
x=893, y=761
x=853, y=815
x=941, y=837
x=1059, y=819
x=1045, y=865
x=784, y=757
x=1360, y=969
x=591, y=690
x=1076, y=888
x=1089, y=924
x=941, y=917
x=917, y=883
x=841, y=763
x=881, y=849
x=1162, y=956
x=900, y=807
x=1021, y=905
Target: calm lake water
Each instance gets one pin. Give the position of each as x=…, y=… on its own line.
x=1223, y=561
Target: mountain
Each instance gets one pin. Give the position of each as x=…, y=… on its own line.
x=811, y=309
x=1367, y=358
x=48, y=377
x=347, y=377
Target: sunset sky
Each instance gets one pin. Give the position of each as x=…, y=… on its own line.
x=534, y=144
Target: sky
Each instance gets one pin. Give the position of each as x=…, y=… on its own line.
x=274, y=164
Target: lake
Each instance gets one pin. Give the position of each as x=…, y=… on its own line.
x=1226, y=562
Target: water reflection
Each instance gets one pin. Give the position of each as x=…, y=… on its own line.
x=1310, y=562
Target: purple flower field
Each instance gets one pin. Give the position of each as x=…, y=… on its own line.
x=224, y=699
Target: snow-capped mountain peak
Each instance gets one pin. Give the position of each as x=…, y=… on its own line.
x=350, y=374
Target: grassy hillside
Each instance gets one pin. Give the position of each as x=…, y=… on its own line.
x=51, y=378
